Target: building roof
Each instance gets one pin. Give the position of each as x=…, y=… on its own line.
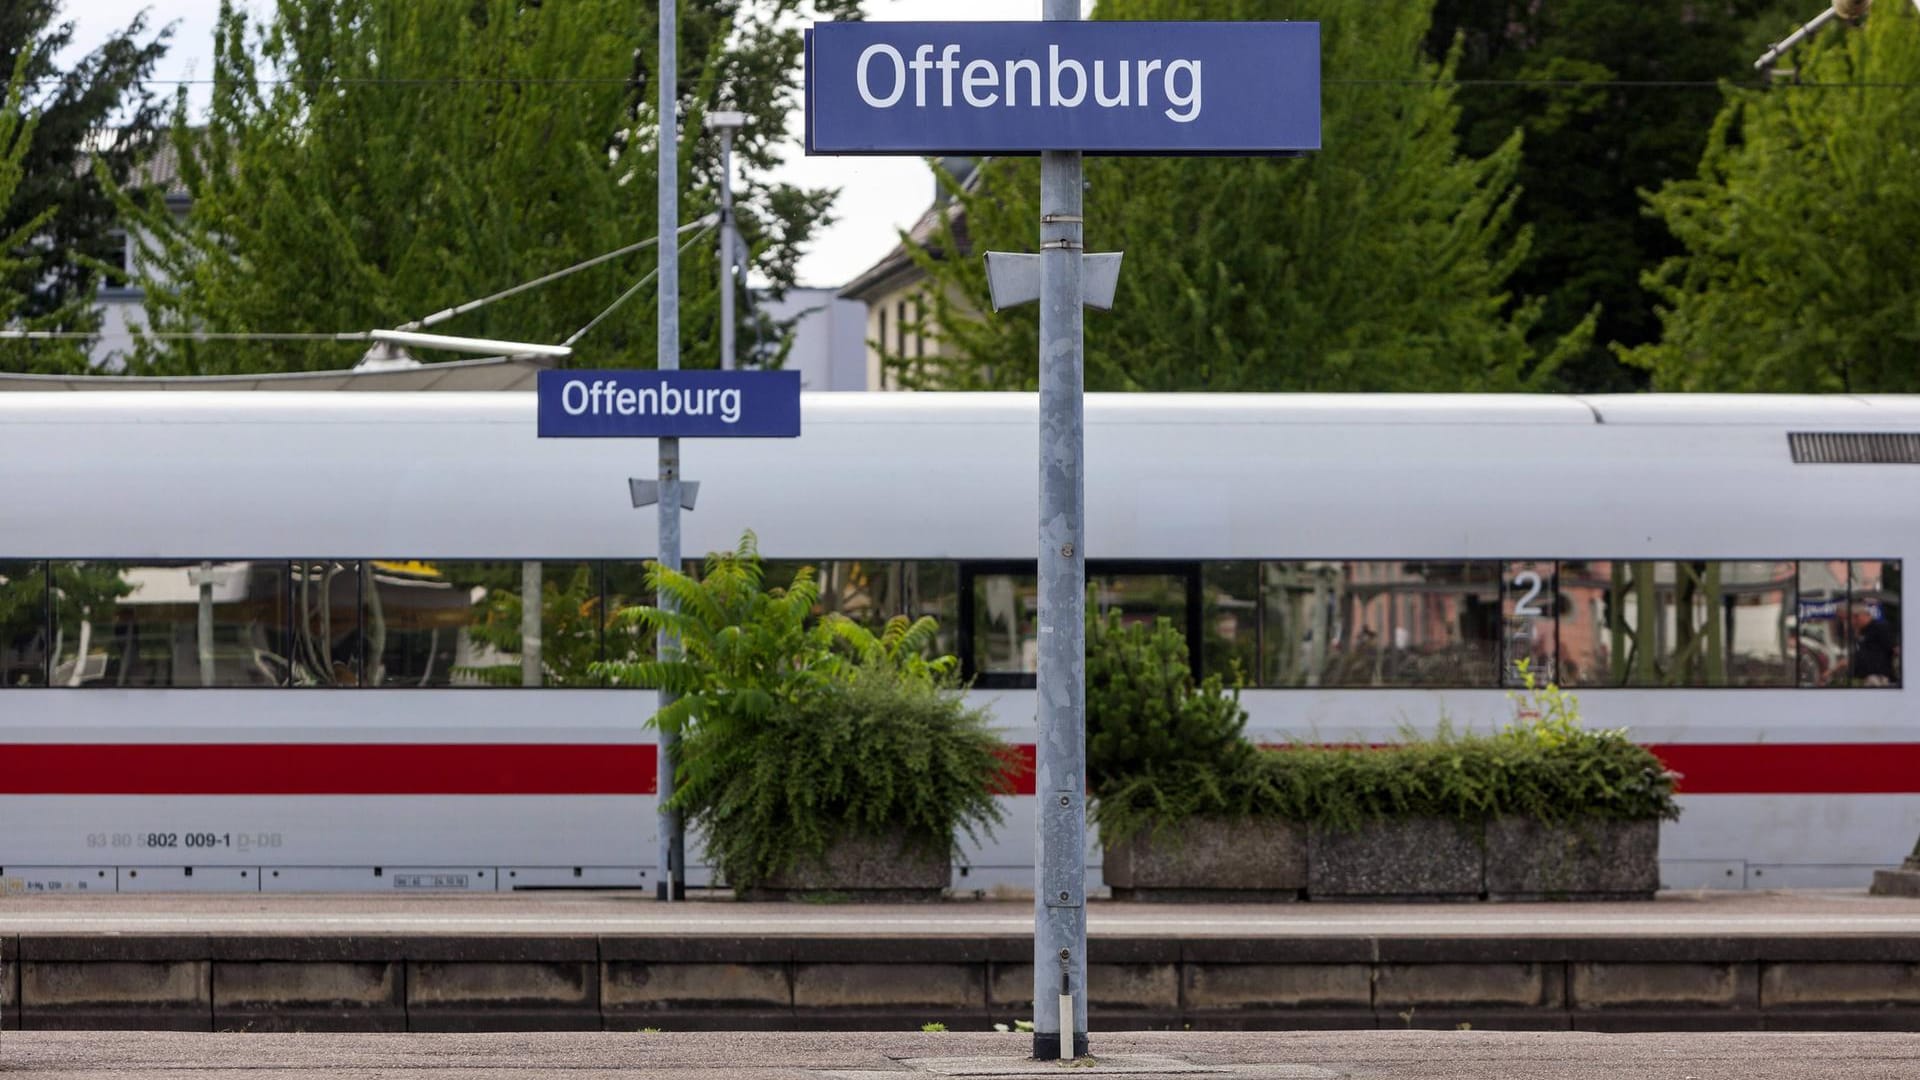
x=487, y=373
x=897, y=268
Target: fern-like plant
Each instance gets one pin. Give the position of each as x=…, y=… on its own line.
x=797, y=732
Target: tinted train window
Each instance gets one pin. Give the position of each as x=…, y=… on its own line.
x=933, y=589
x=469, y=623
x=625, y=586
x=1382, y=623
x=326, y=623
x=1005, y=625
x=1230, y=621
x=185, y=624
x=23, y=624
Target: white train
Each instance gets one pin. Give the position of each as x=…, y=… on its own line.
x=273, y=640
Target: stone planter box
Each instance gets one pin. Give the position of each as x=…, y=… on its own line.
x=1583, y=860
x=1211, y=859
x=1414, y=859
x=869, y=868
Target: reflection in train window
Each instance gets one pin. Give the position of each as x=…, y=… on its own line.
x=23, y=624
x=1750, y=617
x=1681, y=623
x=626, y=586
x=1382, y=623
x=1230, y=621
x=196, y=624
x=466, y=623
x=1006, y=624
x=326, y=623
x=1873, y=612
x=933, y=589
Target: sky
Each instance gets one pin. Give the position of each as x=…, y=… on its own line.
x=878, y=195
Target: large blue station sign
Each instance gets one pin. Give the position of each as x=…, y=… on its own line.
x=641, y=404
x=1243, y=88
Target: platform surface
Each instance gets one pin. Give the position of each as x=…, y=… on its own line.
x=1380, y=1055
x=1767, y=913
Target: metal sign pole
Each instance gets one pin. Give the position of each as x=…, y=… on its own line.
x=673, y=856
x=1060, y=913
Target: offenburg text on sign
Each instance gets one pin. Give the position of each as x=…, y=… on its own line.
x=1097, y=87
x=669, y=404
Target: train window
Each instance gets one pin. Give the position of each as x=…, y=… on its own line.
x=1230, y=621
x=1005, y=627
x=868, y=591
x=1754, y=605
x=184, y=624
x=23, y=624
x=1383, y=623
x=467, y=623
x=1530, y=604
x=933, y=589
x=626, y=586
x=326, y=623
x=1873, y=613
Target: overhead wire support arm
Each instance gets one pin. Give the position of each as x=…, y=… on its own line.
x=444, y=314
x=636, y=287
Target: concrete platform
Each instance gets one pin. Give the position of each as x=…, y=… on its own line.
x=1378, y=1055
x=520, y=962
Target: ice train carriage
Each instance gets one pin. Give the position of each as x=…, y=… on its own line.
x=269, y=640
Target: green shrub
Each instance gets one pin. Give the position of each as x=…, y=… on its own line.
x=795, y=732
x=1544, y=766
x=1145, y=714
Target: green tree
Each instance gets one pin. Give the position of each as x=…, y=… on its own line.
x=368, y=162
x=58, y=222
x=1800, y=229
x=1377, y=263
x=1596, y=86
x=1145, y=713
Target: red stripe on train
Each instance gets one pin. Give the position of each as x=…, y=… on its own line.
x=326, y=769
x=1794, y=768
x=628, y=769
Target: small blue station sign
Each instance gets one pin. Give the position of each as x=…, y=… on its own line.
x=641, y=404
x=1173, y=88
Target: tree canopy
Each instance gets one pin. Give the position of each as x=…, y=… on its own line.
x=369, y=162
x=58, y=222
x=1379, y=262
x=1799, y=232
x=1614, y=96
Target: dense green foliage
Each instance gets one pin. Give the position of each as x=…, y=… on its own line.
x=413, y=156
x=1799, y=272
x=58, y=222
x=1615, y=96
x=1379, y=262
x=1145, y=714
x=1545, y=766
x=796, y=731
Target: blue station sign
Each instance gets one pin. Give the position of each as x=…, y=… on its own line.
x=1171, y=88
x=640, y=404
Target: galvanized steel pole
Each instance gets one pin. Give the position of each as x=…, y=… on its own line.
x=726, y=248
x=673, y=853
x=1060, y=913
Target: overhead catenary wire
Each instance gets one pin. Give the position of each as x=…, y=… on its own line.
x=635, y=288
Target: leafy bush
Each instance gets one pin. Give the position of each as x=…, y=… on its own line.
x=796, y=732
x=1544, y=766
x=1146, y=716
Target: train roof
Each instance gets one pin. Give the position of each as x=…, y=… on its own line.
x=1810, y=411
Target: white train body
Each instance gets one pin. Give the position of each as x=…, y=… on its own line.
x=409, y=788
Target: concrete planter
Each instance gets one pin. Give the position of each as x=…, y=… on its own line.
x=870, y=868
x=1583, y=860
x=1414, y=859
x=1211, y=859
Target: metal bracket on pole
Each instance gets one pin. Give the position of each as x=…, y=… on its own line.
x=1014, y=279
x=647, y=492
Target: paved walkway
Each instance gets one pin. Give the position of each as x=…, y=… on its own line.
x=1694, y=913
x=1389, y=1055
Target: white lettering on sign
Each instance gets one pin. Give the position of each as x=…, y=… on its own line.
x=601, y=398
x=1067, y=83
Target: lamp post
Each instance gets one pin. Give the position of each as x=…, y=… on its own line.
x=727, y=123
x=673, y=850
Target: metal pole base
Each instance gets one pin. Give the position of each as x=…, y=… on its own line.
x=1047, y=1047
x=680, y=893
